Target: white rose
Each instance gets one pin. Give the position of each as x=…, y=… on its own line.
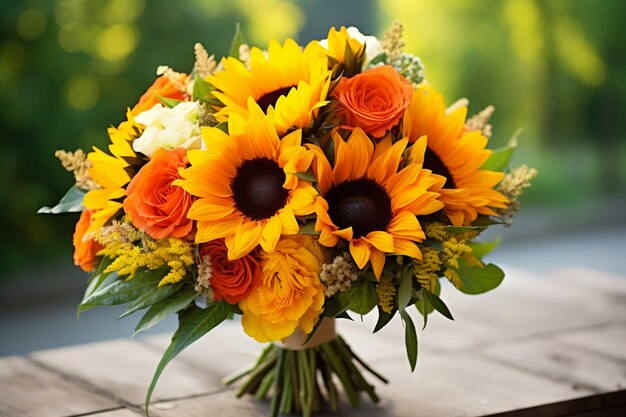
x=372, y=45
x=169, y=128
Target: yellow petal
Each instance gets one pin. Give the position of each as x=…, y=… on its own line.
x=361, y=252
x=378, y=262
x=362, y=150
x=247, y=236
x=380, y=240
x=212, y=230
x=407, y=248
x=271, y=233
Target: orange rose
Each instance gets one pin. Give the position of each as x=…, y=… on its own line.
x=153, y=203
x=163, y=87
x=85, y=250
x=374, y=100
x=230, y=280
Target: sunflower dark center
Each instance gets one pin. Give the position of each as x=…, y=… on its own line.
x=271, y=98
x=436, y=165
x=258, y=188
x=362, y=204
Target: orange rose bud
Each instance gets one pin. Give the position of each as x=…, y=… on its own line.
x=374, y=100
x=85, y=250
x=153, y=204
x=230, y=280
x=162, y=87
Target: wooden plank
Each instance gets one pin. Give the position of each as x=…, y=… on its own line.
x=574, y=366
x=27, y=390
x=122, y=412
x=609, y=340
x=125, y=368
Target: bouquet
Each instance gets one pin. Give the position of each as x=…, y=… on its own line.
x=291, y=186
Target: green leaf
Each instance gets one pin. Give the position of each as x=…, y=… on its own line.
x=423, y=306
x=500, y=158
x=308, y=229
x=165, y=308
x=405, y=291
x=71, y=202
x=410, y=339
x=193, y=323
x=168, y=102
x=152, y=297
x=306, y=176
x=477, y=280
x=238, y=40
x=383, y=318
x=437, y=303
x=462, y=229
x=201, y=88
x=99, y=279
x=480, y=249
x=120, y=292
x=380, y=58
x=361, y=298
x=223, y=126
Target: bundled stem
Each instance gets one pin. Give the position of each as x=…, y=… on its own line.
x=303, y=381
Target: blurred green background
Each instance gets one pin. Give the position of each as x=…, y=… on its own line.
x=70, y=68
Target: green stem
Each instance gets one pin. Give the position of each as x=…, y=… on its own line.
x=342, y=373
x=279, y=384
x=354, y=371
x=361, y=362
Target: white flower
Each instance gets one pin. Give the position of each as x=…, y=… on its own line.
x=372, y=45
x=169, y=128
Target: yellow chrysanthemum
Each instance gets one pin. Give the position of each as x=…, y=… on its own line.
x=370, y=202
x=112, y=172
x=248, y=193
x=454, y=153
x=288, y=83
x=288, y=296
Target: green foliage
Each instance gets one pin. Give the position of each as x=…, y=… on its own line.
x=194, y=322
x=361, y=298
x=238, y=40
x=168, y=102
x=410, y=338
x=163, y=309
x=124, y=291
x=500, y=158
x=71, y=202
x=478, y=280
x=437, y=304
x=151, y=297
x=481, y=249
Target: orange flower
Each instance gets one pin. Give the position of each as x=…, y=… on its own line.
x=153, y=203
x=85, y=249
x=374, y=100
x=163, y=87
x=230, y=280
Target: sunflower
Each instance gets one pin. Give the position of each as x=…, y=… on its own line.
x=246, y=183
x=288, y=83
x=371, y=203
x=455, y=154
x=112, y=172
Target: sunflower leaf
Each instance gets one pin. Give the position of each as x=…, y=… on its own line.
x=193, y=323
x=152, y=297
x=71, y=202
x=500, y=158
x=405, y=290
x=168, y=102
x=480, y=249
x=124, y=291
x=238, y=40
x=383, y=318
x=478, y=280
x=201, y=88
x=161, y=310
x=437, y=303
x=410, y=339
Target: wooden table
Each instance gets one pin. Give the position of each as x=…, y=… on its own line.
x=550, y=345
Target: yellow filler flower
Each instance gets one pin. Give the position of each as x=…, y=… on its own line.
x=246, y=183
x=454, y=153
x=288, y=83
x=288, y=296
x=371, y=203
x=113, y=172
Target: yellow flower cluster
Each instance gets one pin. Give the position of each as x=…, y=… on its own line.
x=392, y=43
x=455, y=247
x=132, y=250
x=512, y=185
x=386, y=293
x=427, y=271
